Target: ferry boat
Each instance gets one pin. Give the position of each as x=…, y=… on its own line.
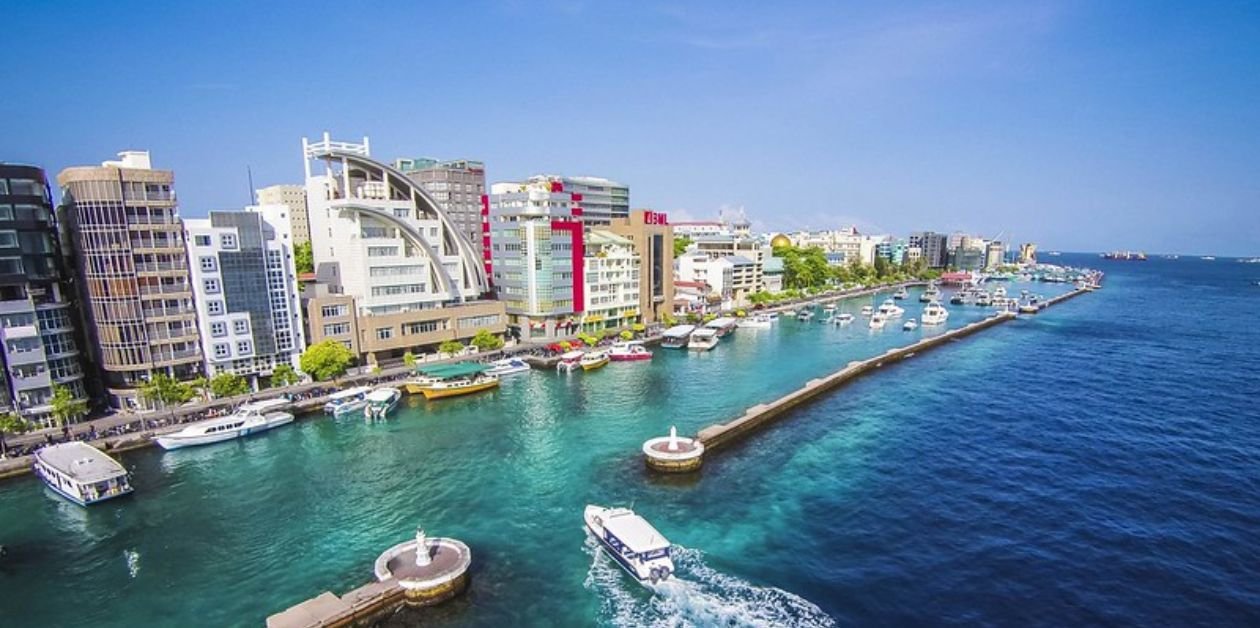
x=703, y=339
x=891, y=310
x=843, y=318
x=629, y=351
x=935, y=314
x=81, y=473
x=632, y=542
x=756, y=322
x=676, y=337
x=508, y=366
x=867, y=310
x=381, y=402
x=910, y=325
x=453, y=380
x=901, y=293
x=724, y=326
x=346, y=401
x=570, y=361
x=594, y=360
x=877, y=321
x=249, y=418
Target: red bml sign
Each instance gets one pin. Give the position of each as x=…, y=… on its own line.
x=655, y=218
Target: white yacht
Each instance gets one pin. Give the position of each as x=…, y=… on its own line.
x=756, y=322
x=773, y=316
x=249, y=418
x=843, y=318
x=829, y=309
x=999, y=292
x=508, y=366
x=935, y=314
x=901, y=293
x=570, y=361
x=806, y=314
x=910, y=325
x=381, y=402
x=703, y=339
x=867, y=310
x=346, y=401
x=632, y=542
x=983, y=299
x=676, y=337
x=890, y=309
x=931, y=294
x=877, y=321
x=81, y=473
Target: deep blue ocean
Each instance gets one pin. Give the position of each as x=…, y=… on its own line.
x=1097, y=464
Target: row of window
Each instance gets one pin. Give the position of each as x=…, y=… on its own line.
x=223, y=350
x=219, y=329
x=395, y=290
x=226, y=241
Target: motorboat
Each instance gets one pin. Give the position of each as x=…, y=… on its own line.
x=867, y=310
x=889, y=309
x=631, y=542
x=962, y=297
x=703, y=339
x=806, y=315
x=829, y=309
x=999, y=292
x=877, y=321
x=629, y=351
x=843, y=318
x=81, y=473
x=773, y=316
x=508, y=366
x=756, y=322
x=983, y=299
x=381, y=402
x=347, y=401
x=453, y=380
x=935, y=314
x=931, y=294
x=570, y=361
x=901, y=293
x=676, y=337
x=723, y=326
x=592, y=360
x=910, y=325
x=249, y=418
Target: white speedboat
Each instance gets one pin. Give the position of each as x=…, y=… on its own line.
x=901, y=293
x=829, y=309
x=570, y=361
x=890, y=309
x=773, y=316
x=81, y=473
x=629, y=351
x=805, y=315
x=867, y=310
x=983, y=299
x=910, y=325
x=935, y=314
x=877, y=321
x=381, y=402
x=756, y=322
x=249, y=418
x=999, y=292
x=931, y=294
x=703, y=339
x=347, y=401
x=632, y=542
x=843, y=318
x=508, y=366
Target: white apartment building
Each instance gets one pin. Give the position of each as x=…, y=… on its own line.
x=601, y=199
x=611, y=277
x=293, y=197
x=732, y=278
x=245, y=289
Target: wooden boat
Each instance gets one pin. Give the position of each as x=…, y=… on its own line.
x=451, y=380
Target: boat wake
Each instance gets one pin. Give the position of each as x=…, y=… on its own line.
x=133, y=562
x=698, y=595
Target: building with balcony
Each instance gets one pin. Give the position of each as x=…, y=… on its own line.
x=293, y=197
x=935, y=247
x=39, y=345
x=132, y=273
x=381, y=240
x=459, y=187
x=611, y=271
x=601, y=199
x=246, y=291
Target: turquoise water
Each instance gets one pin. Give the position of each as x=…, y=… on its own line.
x=897, y=498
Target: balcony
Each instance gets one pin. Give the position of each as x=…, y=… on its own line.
x=178, y=289
x=162, y=358
x=186, y=334
x=23, y=331
x=28, y=380
x=161, y=267
x=157, y=313
x=156, y=246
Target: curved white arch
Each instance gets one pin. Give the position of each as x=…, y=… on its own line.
x=443, y=275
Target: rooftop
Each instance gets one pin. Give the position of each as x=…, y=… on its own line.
x=81, y=461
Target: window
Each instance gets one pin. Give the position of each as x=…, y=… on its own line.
x=11, y=266
x=8, y=239
x=479, y=321
x=227, y=241
x=214, y=307
x=222, y=350
x=382, y=251
x=201, y=240
x=386, y=291
x=6, y=211
x=422, y=328
x=218, y=329
x=243, y=347
x=384, y=333
x=240, y=326
x=394, y=271
x=209, y=263
x=336, y=329
x=331, y=311
x=211, y=285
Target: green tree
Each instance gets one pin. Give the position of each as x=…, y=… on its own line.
x=304, y=258
x=11, y=423
x=409, y=359
x=226, y=385
x=486, y=341
x=165, y=391
x=200, y=386
x=284, y=375
x=450, y=347
x=326, y=360
x=627, y=335
x=680, y=245
x=65, y=408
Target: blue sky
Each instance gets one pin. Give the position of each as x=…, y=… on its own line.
x=1080, y=125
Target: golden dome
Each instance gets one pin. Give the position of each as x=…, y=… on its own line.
x=780, y=240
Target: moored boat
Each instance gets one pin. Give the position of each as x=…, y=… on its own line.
x=592, y=360
x=676, y=337
x=346, y=401
x=909, y=325
x=453, y=380
x=381, y=402
x=756, y=322
x=889, y=309
x=629, y=351
x=868, y=310
x=877, y=321
x=81, y=473
x=631, y=542
x=901, y=293
x=703, y=339
x=934, y=314
x=249, y=418
x=508, y=366
x=570, y=361
x=843, y=318
x=723, y=326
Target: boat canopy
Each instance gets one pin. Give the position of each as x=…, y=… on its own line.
x=704, y=332
x=264, y=405
x=572, y=355
x=381, y=395
x=81, y=462
x=448, y=371
x=721, y=323
x=679, y=331
x=634, y=532
x=349, y=392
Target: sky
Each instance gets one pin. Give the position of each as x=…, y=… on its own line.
x=1082, y=126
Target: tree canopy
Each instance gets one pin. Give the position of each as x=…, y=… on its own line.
x=304, y=258
x=680, y=245
x=285, y=375
x=450, y=347
x=326, y=360
x=65, y=408
x=164, y=390
x=486, y=341
x=228, y=385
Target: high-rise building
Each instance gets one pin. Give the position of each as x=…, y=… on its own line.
x=458, y=186
x=994, y=254
x=1028, y=253
x=601, y=199
x=132, y=271
x=293, y=197
x=37, y=321
x=246, y=289
x=935, y=247
x=611, y=276
x=653, y=239
x=378, y=237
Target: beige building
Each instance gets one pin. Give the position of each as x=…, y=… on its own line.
x=133, y=273
x=293, y=197
x=653, y=240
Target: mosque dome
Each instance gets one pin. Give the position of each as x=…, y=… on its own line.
x=780, y=240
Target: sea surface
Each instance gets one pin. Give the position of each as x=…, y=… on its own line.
x=1097, y=464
